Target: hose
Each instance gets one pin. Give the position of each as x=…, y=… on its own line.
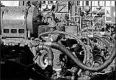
x=71, y=35
x=50, y=53
x=108, y=41
x=61, y=32
x=110, y=37
x=77, y=61
x=101, y=38
x=95, y=36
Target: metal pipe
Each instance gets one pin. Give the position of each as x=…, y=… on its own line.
x=50, y=53
x=75, y=59
x=76, y=37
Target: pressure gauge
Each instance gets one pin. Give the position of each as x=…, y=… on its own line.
x=50, y=6
x=43, y=6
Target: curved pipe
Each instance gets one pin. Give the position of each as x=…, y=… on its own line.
x=77, y=37
x=77, y=61
x=108, y=36
x=102, y=40
x=50, y=53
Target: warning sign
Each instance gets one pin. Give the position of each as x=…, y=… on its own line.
x=110, y=14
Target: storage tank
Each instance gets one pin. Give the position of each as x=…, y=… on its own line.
x=17, y=21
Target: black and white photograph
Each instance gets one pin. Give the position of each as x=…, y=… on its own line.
x=57, y=40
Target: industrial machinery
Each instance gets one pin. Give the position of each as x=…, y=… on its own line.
x=62, y=42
